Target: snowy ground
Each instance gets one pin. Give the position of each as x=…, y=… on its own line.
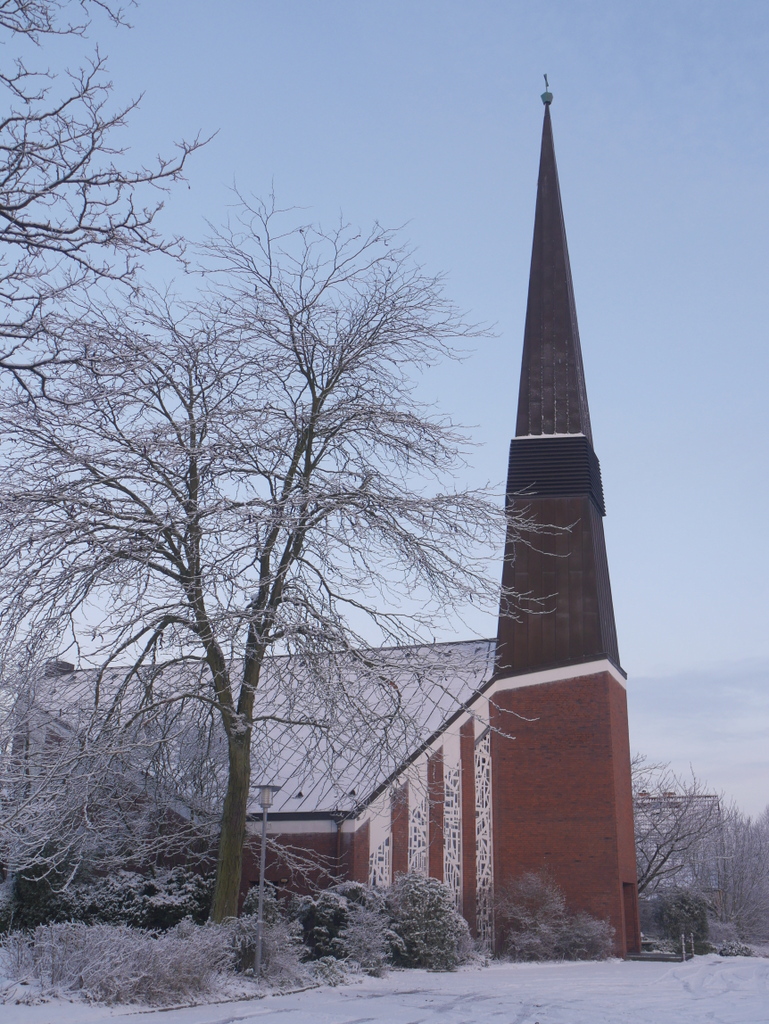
x=707, y=990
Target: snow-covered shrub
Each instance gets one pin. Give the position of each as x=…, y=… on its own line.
x=363, y=895
x=735, y=948
x=272, y=911
x=414, y=924
x=39, y=898
x=158, y=900
x=431, y=933
x=538, y=925
x=348, y=922
x=532, y=912
x=329, y=971
x=586, y=938
x=366, y=939
x=283, y=954
x=6, y=905
x=326, y=918
x=682, y=912
x=322, y=918
x=721, y=932
x=282, y=950
x=118, y=964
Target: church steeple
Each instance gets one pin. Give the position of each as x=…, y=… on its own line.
x=553, y=472
x=552, y=398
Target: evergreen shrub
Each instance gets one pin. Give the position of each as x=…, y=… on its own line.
x=682, y=912
x=158, y=900
x=735, y=948
x=348, y=922
x=430, y=931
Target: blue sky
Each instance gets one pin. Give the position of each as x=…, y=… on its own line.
x=427, y=114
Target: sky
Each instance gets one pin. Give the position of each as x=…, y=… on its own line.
x=427, y=114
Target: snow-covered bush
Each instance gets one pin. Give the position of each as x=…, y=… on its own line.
x=283, y=955
x=38, y=900
x=721, y=932
x=586, y=938
x=735, y=948
x=431, y=933
x=413, y=924
x=366, y=939
x=157, y=900
x=6, y=905
x=118, y=964
x=348, y=922
x=282, y=950
x=538, y=925
x=322, y=918
x=272, y=910
x=682, y=912
x=329, y=971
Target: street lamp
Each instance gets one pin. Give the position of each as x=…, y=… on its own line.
x=266, y=795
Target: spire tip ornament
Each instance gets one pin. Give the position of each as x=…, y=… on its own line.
x=547, y=96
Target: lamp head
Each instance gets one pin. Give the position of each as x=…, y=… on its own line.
x=266, y=795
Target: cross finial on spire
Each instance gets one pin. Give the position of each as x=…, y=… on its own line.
x=547, y=96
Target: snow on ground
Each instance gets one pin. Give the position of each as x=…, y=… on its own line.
x=707, y=990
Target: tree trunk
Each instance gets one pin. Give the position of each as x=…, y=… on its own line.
x=229, y=866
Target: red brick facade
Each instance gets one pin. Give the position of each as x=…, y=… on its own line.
x=561, y=800
x=467, y=767
x=435, y=827
x=399, y=830
x=561, y=792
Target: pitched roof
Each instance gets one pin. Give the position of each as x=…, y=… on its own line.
x=308, y=739
x=325, y=774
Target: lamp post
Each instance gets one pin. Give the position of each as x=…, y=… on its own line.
x=266, y=794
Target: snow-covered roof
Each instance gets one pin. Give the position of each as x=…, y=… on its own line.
x=434, y=682
x=329, y=739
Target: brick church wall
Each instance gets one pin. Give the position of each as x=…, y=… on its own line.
x=310, y=860
x=467, y=765
x=561, y=800
x=399, y=830
x=435, y=796
x=626, y=825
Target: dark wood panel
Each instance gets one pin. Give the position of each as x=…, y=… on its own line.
x=570, y=575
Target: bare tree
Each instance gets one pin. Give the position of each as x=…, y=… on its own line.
x=674, y=817
x=731, y=868
x=78, y=788
x=249, y=477
x=71, y=212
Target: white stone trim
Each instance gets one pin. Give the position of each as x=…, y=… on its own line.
x=292, y=828
x=557, y=675
x=379, y=865
x=484, y=852
x=452, y=831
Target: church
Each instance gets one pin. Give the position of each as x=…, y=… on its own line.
x=524, y=762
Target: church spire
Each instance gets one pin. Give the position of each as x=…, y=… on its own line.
x=552, y=397
x=553, y=473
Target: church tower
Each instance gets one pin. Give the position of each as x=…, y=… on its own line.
x=560, y=752
x=525, y=763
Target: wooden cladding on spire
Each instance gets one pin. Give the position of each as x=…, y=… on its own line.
x=552, y=398
x=568, y=574
x=562, y=576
